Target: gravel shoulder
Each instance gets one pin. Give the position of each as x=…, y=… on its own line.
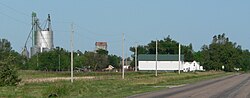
x=233, y=86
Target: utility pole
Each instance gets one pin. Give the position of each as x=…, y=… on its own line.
x=156, y=57
x=37, y=60
x=123, y=55
x=72, y=49
x=126, y=58
x=179, y=58
x=59, y=61
x=136, y=57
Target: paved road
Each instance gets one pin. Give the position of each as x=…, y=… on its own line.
x=234, y=86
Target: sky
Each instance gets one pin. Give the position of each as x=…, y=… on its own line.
x=186, y=21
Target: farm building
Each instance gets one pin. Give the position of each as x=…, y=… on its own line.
x=166, y=62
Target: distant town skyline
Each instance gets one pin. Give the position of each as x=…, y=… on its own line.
x=186, y=21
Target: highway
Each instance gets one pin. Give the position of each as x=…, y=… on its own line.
x=233, y=86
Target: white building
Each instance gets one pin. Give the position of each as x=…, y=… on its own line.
x=166, y=63
x=192, y=66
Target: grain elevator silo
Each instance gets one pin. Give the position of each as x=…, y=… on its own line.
x=42, y=38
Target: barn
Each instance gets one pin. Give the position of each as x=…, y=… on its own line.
x=165, y=62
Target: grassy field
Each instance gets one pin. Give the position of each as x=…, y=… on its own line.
x=105, y=84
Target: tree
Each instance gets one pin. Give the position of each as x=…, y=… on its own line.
x=222, y=52
x=102, y=52
x=8, y=73
x=166, y=46
x=140, y=49
x=79, y=61
x=114, y=61
x=96, y=61
x=50, y=60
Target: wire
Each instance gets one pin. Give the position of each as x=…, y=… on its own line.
x=65, y=31
x=91, y=32
x=44, y=24
x=13, y=9
x=14, y=18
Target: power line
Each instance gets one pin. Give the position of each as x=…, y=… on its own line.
x=91, y=38
x=14, y=19
x=13, y=9
x=91, y=32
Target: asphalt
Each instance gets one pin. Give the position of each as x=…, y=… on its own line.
x=233, y=86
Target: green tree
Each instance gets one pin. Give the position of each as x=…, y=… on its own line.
x=90, y=61
x=114, y=61
x=102, y=52
x=165, y=46
x=8, y=63
x=96, y=61
x=79, y=61
x=51, y=60
x=222, y=52
x=100, y=59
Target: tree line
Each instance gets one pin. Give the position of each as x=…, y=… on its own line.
x=58, y=59
x=220, y=54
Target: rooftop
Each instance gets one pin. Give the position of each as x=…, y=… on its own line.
x=101, y=43
x=161, y=57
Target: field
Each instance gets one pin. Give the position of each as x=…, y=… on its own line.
x=101, y=84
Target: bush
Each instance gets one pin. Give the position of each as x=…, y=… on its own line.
x=8, y=60
x=8, y=75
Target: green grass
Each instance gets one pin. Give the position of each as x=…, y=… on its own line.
x=106, y=84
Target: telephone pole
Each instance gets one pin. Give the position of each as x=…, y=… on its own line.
x=179, y=59
x=136, y=57
x=126, y=58
x=71, y=41
x=59, y=61
x=37, y=60
x=156, y=56
x=123, y=55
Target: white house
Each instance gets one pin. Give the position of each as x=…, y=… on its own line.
x=186, y=67
x=192, y=66
x=164, y=62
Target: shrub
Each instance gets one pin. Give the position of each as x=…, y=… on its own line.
x=8, y=75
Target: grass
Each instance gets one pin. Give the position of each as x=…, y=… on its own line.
x=105, y=85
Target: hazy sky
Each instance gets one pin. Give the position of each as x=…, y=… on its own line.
x=186, y=21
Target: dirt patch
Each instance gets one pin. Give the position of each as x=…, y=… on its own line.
x=53, y=79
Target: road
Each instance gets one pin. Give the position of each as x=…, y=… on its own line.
x=234, y=86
